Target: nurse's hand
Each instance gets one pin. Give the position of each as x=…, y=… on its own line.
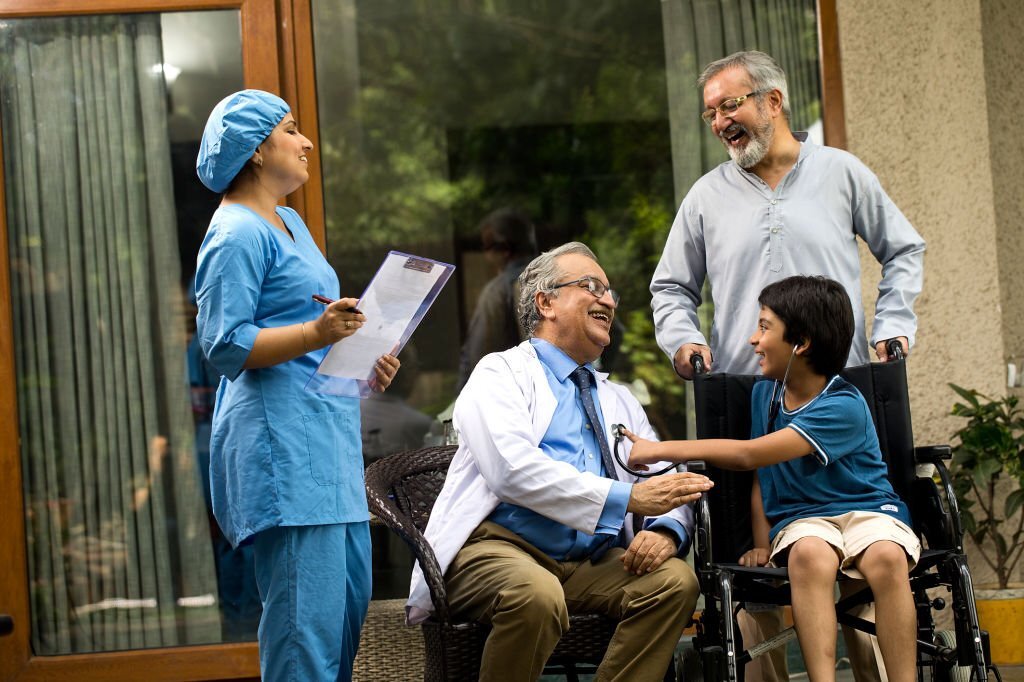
x=338, y=322
x=385, y=371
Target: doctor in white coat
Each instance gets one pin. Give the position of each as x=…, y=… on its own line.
x=534, y=520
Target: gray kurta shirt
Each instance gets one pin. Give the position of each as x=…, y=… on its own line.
x=734, y=229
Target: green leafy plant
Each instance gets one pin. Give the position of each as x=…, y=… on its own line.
x=990, y=447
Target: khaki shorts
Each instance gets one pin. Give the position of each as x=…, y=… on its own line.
x=849, y=534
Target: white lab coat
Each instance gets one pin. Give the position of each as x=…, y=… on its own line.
x=501, y=416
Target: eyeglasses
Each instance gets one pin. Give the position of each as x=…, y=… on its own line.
x=593, y=285
x=726, y=108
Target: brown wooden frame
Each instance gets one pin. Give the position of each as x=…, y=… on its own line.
x=833, y=112
x=277, y=44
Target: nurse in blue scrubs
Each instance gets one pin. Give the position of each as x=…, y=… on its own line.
x=286, y=468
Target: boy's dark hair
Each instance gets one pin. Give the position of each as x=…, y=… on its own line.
x=814, y=309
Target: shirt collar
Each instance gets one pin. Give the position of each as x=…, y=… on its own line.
x=555, y=359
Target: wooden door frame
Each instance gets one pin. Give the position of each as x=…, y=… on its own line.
x=833, y=110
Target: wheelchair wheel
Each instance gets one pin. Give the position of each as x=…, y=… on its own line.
x=690, y=667
x=954, y=673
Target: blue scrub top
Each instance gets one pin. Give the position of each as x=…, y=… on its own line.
x=279, y=455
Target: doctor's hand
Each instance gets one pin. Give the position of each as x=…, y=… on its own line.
x=681, y=361
x=662, y=494
x=648, y=550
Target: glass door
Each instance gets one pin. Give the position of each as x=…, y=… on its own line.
x=115, y=556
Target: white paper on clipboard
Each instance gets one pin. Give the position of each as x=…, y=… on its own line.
x=394, y=303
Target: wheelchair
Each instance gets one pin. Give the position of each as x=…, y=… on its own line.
x=723, y=411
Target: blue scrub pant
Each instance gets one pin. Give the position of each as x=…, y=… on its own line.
x=314, y=582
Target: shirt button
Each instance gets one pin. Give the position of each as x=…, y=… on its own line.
x=587, y=426
x=774, y=201
x=590, y=455
x=775, y=229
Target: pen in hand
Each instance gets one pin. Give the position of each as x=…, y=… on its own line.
x=327, y=301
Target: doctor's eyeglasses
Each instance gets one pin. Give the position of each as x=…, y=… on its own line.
x=593, y=285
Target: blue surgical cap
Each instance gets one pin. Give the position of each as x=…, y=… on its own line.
x=237, y=125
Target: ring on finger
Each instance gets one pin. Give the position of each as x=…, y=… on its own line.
x=348, y=324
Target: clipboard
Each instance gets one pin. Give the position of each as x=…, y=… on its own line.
x=395, y=302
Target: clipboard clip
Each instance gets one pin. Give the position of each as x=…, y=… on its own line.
x=418, y=264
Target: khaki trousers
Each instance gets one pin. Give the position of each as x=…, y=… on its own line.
x=526, y=597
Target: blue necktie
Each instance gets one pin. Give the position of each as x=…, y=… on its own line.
x=581, y=377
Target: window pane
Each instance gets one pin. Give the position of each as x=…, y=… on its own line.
x=581, y=115
x=101, y=121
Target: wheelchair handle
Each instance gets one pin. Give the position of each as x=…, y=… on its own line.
x=895, y=349
x=697, y=361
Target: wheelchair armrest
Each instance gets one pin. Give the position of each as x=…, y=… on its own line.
x=930, y=454
x=936, y=456
x=702, y=523
x=388, y=512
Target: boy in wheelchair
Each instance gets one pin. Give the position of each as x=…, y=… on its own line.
x=821, y=500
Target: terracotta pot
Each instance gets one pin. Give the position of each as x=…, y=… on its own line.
x=1001, y=612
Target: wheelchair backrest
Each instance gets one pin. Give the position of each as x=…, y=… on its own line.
x=723, y=411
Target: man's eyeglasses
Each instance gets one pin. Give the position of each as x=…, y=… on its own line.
x=726, y=108
x=593, y=285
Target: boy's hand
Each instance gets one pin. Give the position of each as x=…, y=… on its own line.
x=755, y=557
x=642, y=452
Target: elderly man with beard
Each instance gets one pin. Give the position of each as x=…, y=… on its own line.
x=781, y=206
x=535, y=519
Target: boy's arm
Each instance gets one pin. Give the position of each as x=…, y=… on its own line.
x=758, y=556
x=779, y=446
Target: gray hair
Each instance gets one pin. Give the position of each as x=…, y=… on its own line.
x=541, y=275
x=764, y=72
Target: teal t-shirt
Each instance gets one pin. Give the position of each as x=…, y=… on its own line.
x=844, y=473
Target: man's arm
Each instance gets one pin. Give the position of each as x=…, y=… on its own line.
x=898, y=247
x=676, y=291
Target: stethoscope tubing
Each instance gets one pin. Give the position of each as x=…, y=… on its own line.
x=617, y=432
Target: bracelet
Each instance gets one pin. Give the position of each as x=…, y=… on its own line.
x=305, y=344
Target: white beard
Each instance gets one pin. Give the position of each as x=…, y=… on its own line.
x=758, y=141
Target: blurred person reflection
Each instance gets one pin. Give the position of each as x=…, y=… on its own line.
x=237, y=592
x=389, y=423
x=509, y=242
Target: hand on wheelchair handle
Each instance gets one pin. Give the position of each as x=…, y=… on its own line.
x=892, y=349
x=689, y=356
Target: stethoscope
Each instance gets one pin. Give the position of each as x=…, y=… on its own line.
x=619, y=435
x=775, y=405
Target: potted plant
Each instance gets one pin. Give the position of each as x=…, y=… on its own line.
x=988, y=450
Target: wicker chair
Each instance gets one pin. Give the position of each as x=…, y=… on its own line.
x=401, y=489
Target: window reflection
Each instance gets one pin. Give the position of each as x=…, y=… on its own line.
x=582, y=115
x=99, y=120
